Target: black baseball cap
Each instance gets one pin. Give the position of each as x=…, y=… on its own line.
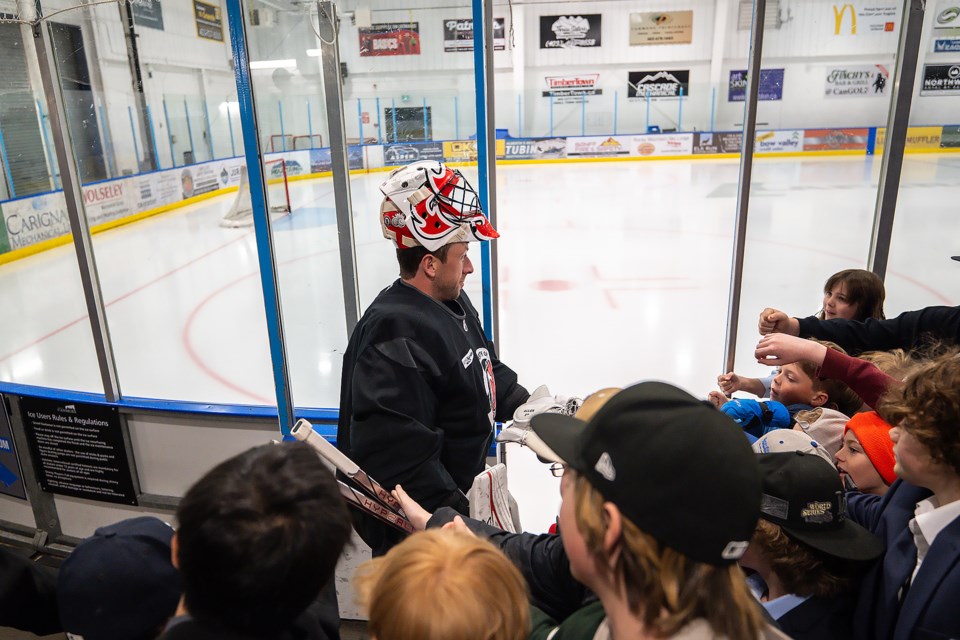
x=120, y=583
x=676, y=467
x=803, y=494
x=957, y=258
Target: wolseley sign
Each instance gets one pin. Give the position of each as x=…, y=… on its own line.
x=566, y=89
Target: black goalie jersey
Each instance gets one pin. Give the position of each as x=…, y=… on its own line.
x=421, y=389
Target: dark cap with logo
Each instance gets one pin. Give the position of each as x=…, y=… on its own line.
x=676, y=467
x=803, y=494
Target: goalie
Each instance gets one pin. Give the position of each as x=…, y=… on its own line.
x=422, y=386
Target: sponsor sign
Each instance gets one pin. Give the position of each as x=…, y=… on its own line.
x=664, y=144
x=661, y=27
x=658, y=84
x=109, y=200
x=390, y=39
x=779, y=141
x=33, y=220
x=950, y=137
x=535, y=148
x=566, y=32
x=396, y=154
x=856, y=81
x=722, y=142
x=599, y=146
x=147, y=13
x=947, y=19
x=460, y=150
x=11, y=475
x=458, y=35
x=4, y=241
x=917, y=138
x=771, y=85
x=466, y=150
x=946, y=45
x=865, y=16
x=78, y=450
x=320, y=161
x=569, y=89
x=940, y=80
x=209, y=20
x=835, y=139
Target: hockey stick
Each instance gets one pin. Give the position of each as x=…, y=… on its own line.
x=303, y=431
x=362, y=501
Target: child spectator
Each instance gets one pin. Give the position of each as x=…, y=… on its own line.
x=851, y=294
x=658, y=547
x=913, y=592
x=804, y=548
x=865, y=461
x=791, y=440
x=120, y=583
x=443, y=584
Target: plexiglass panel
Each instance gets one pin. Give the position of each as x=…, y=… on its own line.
x=46, y=338
x=825, y=88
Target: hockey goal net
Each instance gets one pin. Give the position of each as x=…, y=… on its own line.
x=278, y=195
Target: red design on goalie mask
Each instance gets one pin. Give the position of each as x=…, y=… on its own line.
x=451, y=203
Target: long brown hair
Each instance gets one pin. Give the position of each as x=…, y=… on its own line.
x=863, y=288
x=665, y=588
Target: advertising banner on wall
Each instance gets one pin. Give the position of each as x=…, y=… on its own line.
x=571, y=88
x=209, y=20
x=835, y=139
x=723, y=142
x=947, y=19
x=865, y=16
x=147, y=13
x=917, y=138
x=856, y=81
x=598, y=146
x=319, y=159
x=940, y=80
x=946, y=45
x=658, y=84
x=110, y=200
x=661, y=27
x=535, y=148
x=412, y=152
x=33, y=220
x=78, y=450
x=4, y=241
x=779, y=141
x=771, y=85
x=458, y=34
x=663, y=144
x=950, y=137
x=11, y=475
x=566, y=32
x=466, y=150
x=390, y=39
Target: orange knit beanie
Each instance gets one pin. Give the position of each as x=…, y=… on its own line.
x=874, y=436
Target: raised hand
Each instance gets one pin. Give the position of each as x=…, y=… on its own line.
x=776, y=321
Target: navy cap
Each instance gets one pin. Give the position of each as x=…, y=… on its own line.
x=120, y=583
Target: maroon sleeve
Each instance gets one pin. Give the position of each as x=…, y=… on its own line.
x=865, y=378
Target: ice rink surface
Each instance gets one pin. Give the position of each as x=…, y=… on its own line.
x=610, y=273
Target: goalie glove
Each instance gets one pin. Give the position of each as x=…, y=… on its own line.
x=541, y=401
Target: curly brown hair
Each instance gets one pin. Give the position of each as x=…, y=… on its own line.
x=802, y=570
x=928, y=406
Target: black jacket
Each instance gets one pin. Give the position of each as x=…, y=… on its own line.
x=908, y=330
x=819, y=619
x=540, y=558
x=421, y=389
x=28, y=595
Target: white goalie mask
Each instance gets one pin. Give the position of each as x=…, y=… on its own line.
x=429, y=204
